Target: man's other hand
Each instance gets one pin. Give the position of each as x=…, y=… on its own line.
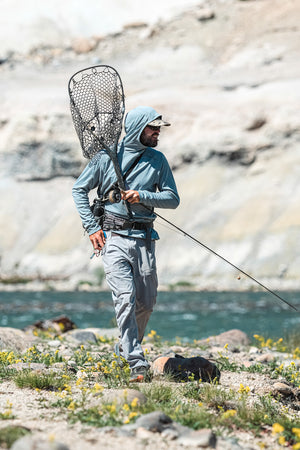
x=98, y=240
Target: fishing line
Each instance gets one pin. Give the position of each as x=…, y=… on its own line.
x=224, y=259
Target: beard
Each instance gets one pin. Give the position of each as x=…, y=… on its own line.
x=149, y=141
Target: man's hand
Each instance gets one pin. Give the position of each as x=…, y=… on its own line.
x=98, y=240
x=130, y=196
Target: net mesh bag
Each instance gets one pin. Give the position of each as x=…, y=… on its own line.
x=97, y=108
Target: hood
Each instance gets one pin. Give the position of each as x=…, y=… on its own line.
x=135, y=121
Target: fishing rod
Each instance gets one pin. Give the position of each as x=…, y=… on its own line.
x=224, y=259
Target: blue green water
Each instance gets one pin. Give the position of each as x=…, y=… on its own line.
x=188, y=315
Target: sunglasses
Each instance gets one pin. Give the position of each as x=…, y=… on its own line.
x=153, y=128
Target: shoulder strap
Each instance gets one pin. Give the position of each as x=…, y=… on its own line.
x=135, y=162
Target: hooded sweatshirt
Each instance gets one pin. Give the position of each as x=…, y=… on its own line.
x=151, y=177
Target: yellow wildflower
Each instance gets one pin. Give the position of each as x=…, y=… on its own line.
x=134, y=402
x=229, y=413
x=98, y=387
x=277, y=428
x=296, y=431
x=281, y=440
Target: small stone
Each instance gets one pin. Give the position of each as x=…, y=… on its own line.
x=266, y=358
x=156, y=421
x=82, y=336
x=170, y=434
x=247, y=364
x=205, y=14
x=143, y=433
x=54, y=343
x=282, y=388
x=201, y=438
x=253, y=350
x=120, y=397
x=36, y=443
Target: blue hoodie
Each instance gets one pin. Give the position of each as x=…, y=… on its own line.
x=151, y=177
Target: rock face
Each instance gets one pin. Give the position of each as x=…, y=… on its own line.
x=229, y=84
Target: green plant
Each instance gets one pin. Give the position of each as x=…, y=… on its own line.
x=34, y=380
x=10, y=434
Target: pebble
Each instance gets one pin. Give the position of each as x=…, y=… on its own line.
x=266, y=358
x=36, y=443
x=156, y=421
x=282, y=388
x=201, y=438
x=120, y=397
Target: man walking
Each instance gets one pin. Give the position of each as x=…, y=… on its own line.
x=126, y=237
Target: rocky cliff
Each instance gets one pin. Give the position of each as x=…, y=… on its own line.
x=226, y=75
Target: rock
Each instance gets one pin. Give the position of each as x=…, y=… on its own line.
x=183, y=369
x=201, y=438
x=170, y=433
x=36, y=443
x=82, y=336
x=205, y=14
x=266, y=358
x=253, y=350
x=282, y=388
x=156, y=422
x=233, y=337
x=120, y=397
x=105, y=332
x=60, y=324
x=13, y=339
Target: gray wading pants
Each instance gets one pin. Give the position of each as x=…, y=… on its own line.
x=131, y=274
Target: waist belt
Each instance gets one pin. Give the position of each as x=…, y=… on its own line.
x=111, y=222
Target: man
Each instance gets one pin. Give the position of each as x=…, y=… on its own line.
x=128, y=245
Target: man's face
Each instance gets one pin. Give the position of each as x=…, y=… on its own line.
x=149, y=136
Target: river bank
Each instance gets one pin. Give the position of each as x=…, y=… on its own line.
x=65, y=390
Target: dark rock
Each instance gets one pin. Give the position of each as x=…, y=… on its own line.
x=156, y=421
x=60, y=325
x=184, y=369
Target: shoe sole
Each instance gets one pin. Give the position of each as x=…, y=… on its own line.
x=137, y=379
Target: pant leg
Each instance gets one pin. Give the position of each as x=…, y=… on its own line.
x=118, y=259
x=146, y=284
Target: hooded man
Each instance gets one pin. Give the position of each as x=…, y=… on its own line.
x=127, y=243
